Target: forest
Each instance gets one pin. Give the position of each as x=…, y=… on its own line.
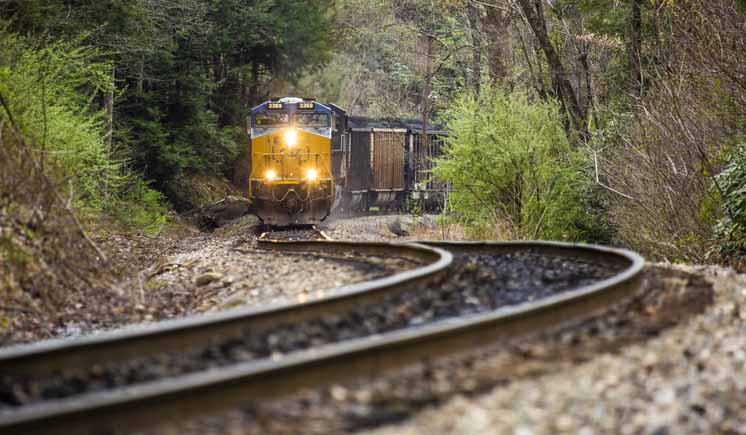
x=606, y=121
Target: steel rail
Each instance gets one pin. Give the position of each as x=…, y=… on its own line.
x=206, y=392
x=323, y=236
x=180, y=334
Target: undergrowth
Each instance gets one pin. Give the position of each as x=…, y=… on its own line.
x=54, y=93
x=57, y=171
x=513, y=171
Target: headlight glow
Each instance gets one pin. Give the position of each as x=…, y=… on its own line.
x=270, y=175
x=311, y=175
x=291, y=137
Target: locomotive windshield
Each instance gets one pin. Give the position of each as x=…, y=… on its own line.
x=270, y=119
x=319, y=120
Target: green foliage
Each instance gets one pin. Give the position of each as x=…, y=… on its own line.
x=607, y=17
x=52, y=90
x=510, y=165
x=186, y=72
x=731, y=229
x=49, y=89
x=142, y=207
x=378, y=67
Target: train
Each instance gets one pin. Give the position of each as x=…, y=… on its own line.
x=309, y=159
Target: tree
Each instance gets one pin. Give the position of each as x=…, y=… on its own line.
x=496, y=21
x=474, y=18
x=534, y=15
x=186, y=72
x=513, y=172
x=634, y=44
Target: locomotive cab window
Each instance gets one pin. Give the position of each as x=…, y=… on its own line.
x=316, y=120
x=269, y=120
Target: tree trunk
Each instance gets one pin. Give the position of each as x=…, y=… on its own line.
x=589, y=87
x=535, y=78
x=496, y=29
x=533, y=11
x=424, y=142
x=253, y=95
x=474, y=15
x=217, y=68
x=634, y=42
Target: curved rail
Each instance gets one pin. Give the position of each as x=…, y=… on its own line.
x=205, y=392
x=139, y=341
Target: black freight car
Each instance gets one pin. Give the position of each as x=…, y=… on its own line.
x=386, y=163
x=425, y=192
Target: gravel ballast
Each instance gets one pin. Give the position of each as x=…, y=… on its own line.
x=477, y=283
x=670, y=360
x=187, y=272
x=539, y=384
x=689, y=377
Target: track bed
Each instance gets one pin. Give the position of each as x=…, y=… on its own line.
x=474, y=291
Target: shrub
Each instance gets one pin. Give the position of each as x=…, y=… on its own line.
x=49, y=90
x=43, y=251
x=54, y=93
x=510, y=166
x=142, y=207
x=690, y=116
x=731, y=229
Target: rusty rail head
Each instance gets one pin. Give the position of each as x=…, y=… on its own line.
x=200, y=393
x=138, y=341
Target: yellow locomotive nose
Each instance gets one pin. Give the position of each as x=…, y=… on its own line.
x=291, y=179
x=291, y=137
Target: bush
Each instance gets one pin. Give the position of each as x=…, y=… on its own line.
x=689, y=118
x=54, y=92
x=142, y=207
x=43, y=251
x=731, y=229
x=49, y=90
x=512, y=170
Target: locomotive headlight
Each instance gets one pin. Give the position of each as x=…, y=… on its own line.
x=291, y=137
x=270, y=175
x=311, y=175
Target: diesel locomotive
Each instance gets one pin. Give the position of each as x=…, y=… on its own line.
x=308, y=158
x=291, y=181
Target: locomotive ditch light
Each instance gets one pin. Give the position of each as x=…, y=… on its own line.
x=291, y=137
x=312, y=175
x=270, y=175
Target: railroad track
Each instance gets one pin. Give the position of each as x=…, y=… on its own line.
x=244, y=355
x=303, y=233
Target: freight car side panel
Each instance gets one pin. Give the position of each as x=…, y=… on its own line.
x=337, y=155
x=422, y=155
x=340, y=139
x=359, y=178
x=388, y=159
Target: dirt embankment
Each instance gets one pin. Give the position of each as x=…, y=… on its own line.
x=185, y=271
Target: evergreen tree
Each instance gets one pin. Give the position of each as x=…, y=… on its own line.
x=186, y=73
